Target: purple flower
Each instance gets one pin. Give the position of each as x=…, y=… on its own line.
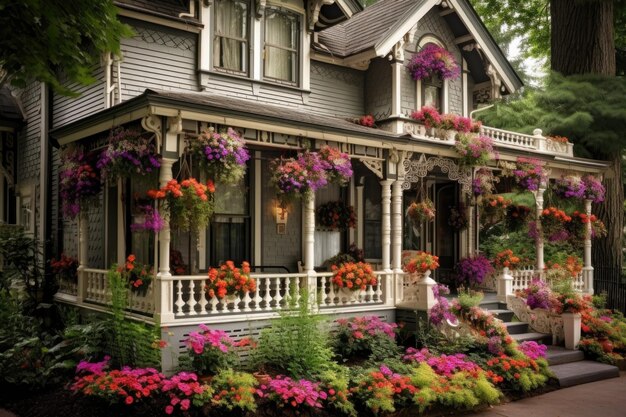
x=533, y=350
x=473, y=270
x=433, y=60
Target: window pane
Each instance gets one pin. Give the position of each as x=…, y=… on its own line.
x=281, y=45
x=231, y=31
x=230, y=237
x=432, y=96
x=231, y=199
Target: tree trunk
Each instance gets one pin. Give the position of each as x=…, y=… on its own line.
x=582, y=37
x=607, y=252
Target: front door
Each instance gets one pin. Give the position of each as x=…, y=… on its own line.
x=446, y=238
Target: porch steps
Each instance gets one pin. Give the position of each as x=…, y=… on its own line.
x=569, y=366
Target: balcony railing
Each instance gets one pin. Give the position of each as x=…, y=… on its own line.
x=501, y=138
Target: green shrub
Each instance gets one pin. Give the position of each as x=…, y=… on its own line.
x=234, y=391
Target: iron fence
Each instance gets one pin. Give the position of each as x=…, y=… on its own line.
x=610, y=281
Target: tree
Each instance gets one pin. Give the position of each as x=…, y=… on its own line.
x=40, y=39
x=586, y=108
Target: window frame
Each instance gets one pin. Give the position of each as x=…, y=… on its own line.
x=246, y=71
x=296, y=52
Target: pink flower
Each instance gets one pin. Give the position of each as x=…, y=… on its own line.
x=169, y=410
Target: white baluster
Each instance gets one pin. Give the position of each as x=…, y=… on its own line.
x=331, y=292
x=192, y=298
x=236, y=308
x=267, y=297
x=214, y=302
x=246, y=302
x=179, y=298
x=203, y=301
x=370, y=294
x=278, y=297
x=379, y=287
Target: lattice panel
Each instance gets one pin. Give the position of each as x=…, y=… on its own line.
x=165, y=39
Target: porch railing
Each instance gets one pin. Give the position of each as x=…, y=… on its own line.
x=522, y=278
x=189, y=298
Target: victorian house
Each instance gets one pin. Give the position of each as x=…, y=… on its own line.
x=285, y=75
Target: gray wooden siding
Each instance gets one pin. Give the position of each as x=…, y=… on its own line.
x=336, y=91
x=378, y=89
x=158, y=57
x=284, y=250
x=433, y=24
x=28, y=140
x=91, y=100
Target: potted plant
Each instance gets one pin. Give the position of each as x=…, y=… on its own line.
x=429, y=117
x=572, y=305
x=594, y=190
x=473, y=270
x=189, y=203
x=336, y=215
x=228, y=281
x=507, y=259
x=420, y=263
x=353, y=277
x=433, y=60
x=79, y=182
x=128, y=154
x=424, y=211
x=223, y=155
x=528, y=173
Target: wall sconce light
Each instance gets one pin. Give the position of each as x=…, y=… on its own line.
x=281, y=214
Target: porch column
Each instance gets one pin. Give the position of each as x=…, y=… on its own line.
x=386, y=224
x=396, y=226
x=164, y=310
x=308, y=216
x=539, y=242
x=83, y=254
x=587, y=268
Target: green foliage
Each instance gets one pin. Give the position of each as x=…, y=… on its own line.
x=234, y=391
x=336, y=384
x=297, y=343
x=469, y=298
x=40, y=39
x=129, y=343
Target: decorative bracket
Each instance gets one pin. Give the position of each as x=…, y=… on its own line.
x=375, y=166
x=152, y=123
x=314, y=12
x=416, y=170
x=260, y=8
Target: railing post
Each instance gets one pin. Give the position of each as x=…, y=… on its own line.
x=83, y=254
x=425, y=296
x=540, y=140
x=588, y=268
x=505, y=285
x=386, y=224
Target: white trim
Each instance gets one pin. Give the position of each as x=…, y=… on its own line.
x=490, y=56
x=204, y=39
x=159, y=20
x=465, y=88
x=384, y=46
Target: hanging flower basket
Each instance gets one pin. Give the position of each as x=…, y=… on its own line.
x=128, y=154
x=151, y=220
x=336, y=215
x=433, y=60
x=570, y=186
x=337, y=165
x=494, y=209
x=79, y=182
x=424, y=211
x=188, y=204
x=223, y=155
x=298, y=177
x=473, y=270
x=577, y=228
x=594, y=190
x=528, y=173
x=482, y=184
x=65, y=267
x=554, y=224
x=474, y=150
x=458, y=218
x=516, y=216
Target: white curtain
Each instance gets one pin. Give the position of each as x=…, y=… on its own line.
x=229, y=51
x=280, y=39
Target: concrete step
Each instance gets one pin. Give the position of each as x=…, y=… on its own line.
x=516, y=327
x=557, y=355
x=544, y=338
x=582, y=372
x=490, y=305
x=503, y=314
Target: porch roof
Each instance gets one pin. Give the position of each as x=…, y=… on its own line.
x=223, y=110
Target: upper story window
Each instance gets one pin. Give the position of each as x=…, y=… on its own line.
x=281, y=45
x=432, y=92
x=230, y=43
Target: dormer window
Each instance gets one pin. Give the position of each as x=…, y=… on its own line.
x=230, y=43
x=282, y=41
x=432, y=89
